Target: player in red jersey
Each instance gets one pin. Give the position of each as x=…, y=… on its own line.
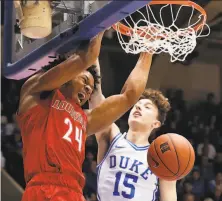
x=54, y=127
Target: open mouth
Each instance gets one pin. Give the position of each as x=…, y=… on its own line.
x=136, y=114
x=81, y=97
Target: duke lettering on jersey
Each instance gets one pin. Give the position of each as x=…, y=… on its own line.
x=124, y=173
x=64, y=105
x=132, y=165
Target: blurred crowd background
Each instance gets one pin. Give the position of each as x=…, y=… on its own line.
x=199, y=122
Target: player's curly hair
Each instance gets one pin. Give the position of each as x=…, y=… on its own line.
x=96, y=76
x=160, y=101
x=91, y=69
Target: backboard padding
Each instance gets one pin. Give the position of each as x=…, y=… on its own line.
x=67, y=41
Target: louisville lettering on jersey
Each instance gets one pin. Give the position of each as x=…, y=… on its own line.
x=68, y=107
x=133, y=165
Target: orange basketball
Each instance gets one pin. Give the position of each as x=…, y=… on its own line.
x=171, y=157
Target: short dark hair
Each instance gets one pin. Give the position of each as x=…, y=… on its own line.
x=160, y=101
x=96, y=76
x=91, y=69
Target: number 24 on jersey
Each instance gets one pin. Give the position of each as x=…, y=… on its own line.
x=77, y=132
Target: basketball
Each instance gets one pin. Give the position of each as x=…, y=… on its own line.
x=171, y=157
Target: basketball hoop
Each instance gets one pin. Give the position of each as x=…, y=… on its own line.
x=149, y=34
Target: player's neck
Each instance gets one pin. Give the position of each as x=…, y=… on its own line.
x=138, y=138
x=64, y=92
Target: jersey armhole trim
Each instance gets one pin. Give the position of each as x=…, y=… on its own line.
x=110, y=147
x=98, y=167
x=155, y=192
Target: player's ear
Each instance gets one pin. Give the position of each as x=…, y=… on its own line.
x=156, y=124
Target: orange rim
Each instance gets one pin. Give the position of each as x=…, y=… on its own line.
x=125, y=30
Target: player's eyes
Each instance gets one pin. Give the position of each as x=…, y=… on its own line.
x=84, y=80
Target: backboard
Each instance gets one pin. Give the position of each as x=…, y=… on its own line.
x=73, y=22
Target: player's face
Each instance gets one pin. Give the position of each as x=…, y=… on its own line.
x=144, y=115
x=82, y=87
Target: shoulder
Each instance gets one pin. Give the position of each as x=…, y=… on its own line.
x=28, y=100
x=108, y=134
x=105, y=146
x=26, y=87
x=114, y=131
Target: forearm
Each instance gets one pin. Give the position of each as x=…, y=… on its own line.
x=92, y=53
x=168, y=190
x=97, y=97
x=113, y=107
x=136, y=82
x=170, y=197
x=70, y=68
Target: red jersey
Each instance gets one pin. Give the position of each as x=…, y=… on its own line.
x=53, y=136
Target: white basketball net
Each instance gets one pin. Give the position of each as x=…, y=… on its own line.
x=155, y=38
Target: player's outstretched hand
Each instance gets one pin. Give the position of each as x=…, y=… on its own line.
x=92, y=53
x=145, y=55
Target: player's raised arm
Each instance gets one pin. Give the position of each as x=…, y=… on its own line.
x=97, y=97
x=68, y=69
x=115, y=106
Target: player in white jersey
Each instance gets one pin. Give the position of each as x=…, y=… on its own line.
x=123, y=172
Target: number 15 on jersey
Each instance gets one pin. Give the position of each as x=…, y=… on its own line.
x=128, y=184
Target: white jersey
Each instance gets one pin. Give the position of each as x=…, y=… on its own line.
x=124, y=174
